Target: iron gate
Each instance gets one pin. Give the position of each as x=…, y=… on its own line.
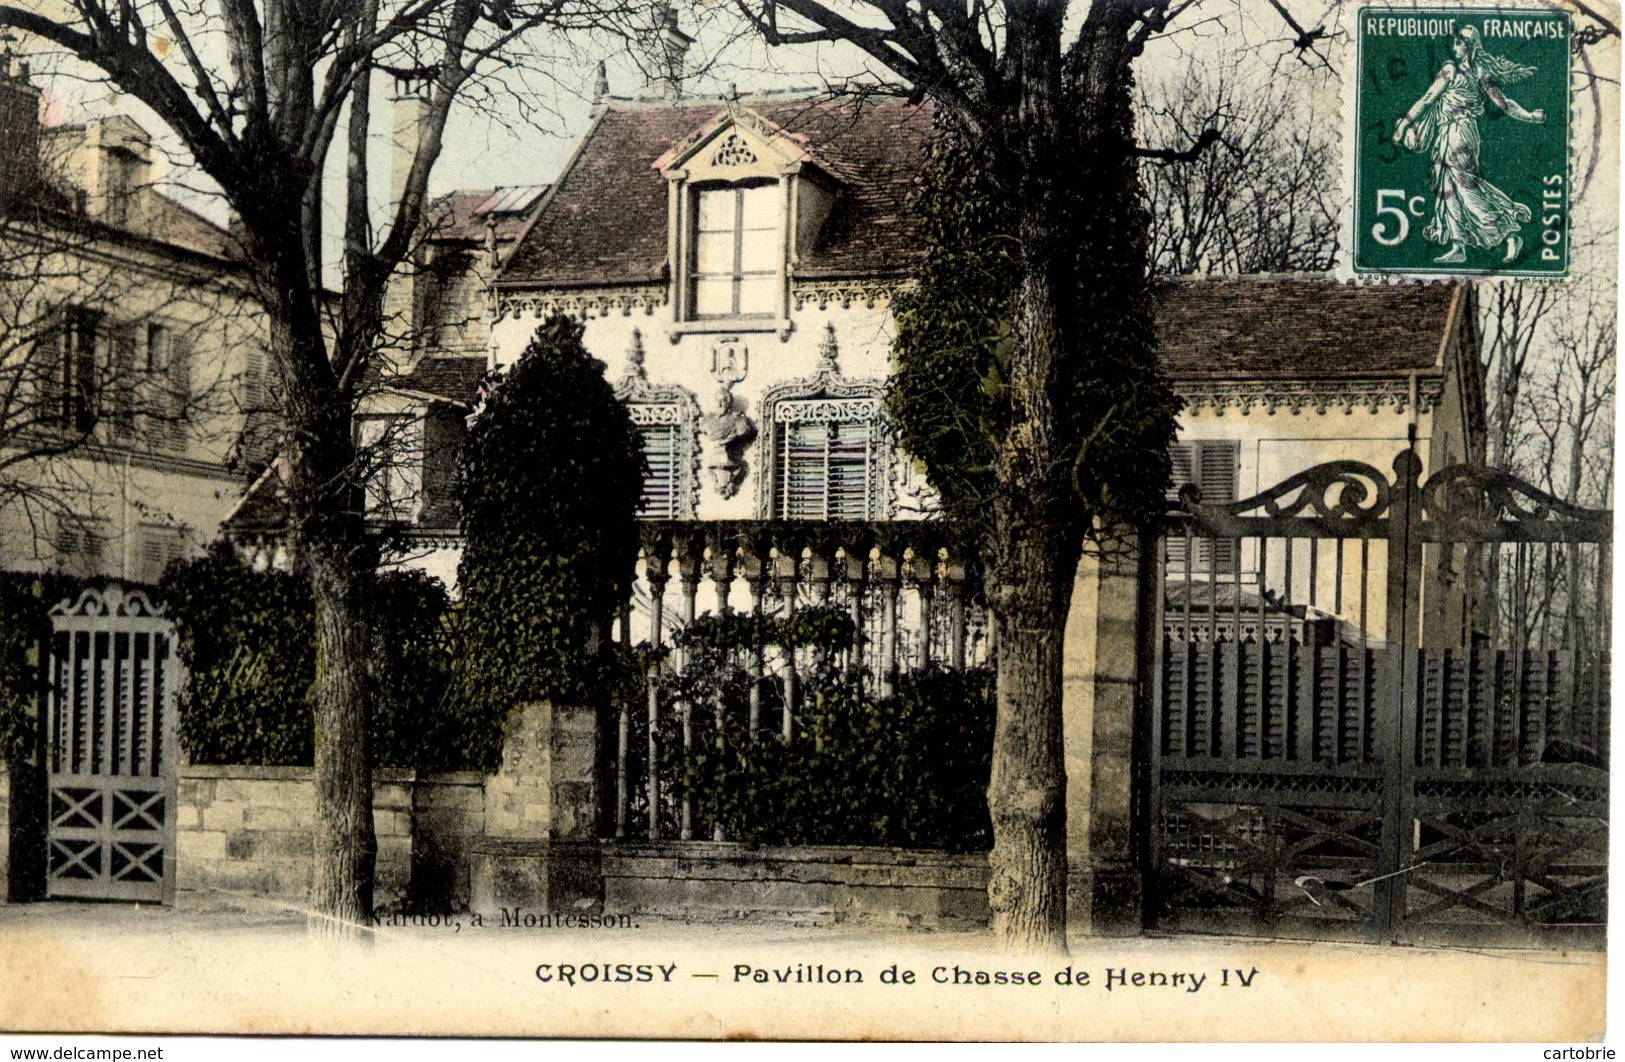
x=1380, y=709
x=110, y=711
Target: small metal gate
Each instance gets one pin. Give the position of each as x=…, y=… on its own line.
x=1380, y=709
x=110, y=713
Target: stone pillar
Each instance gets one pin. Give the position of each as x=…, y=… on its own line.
x=1098, y=717
x=541, y=849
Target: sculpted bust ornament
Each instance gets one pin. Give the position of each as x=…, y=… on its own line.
x=724, y=435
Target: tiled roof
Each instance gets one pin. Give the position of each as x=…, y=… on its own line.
x=1302, y=329
x=456, y=378
x=265, y=506
x=169, y=223
x=606, y=220
x=462, y=215
x=184, y=227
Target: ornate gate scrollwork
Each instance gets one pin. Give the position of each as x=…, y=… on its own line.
x=1354, y=729
x=112, y=682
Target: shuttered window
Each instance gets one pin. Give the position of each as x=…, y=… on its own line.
x=68, y=371
x=662, y=484
x=169, y=368
x=80, y=545
x=1212, y=467
x=826, y=465
x=156, y=549
x=121, y=382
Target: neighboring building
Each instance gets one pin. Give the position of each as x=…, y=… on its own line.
x=131, y=356
x=416, y=403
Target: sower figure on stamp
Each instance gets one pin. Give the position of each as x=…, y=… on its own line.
x=1468, y=211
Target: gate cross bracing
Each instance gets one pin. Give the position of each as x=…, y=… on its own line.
x=1379, y=709
x=110, y=713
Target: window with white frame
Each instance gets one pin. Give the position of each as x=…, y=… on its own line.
x=828, y=459
x=737, y=251
x=1212, y=466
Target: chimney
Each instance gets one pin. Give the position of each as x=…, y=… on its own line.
x=19, y=132
x=118, y=171
x=672, y=46
x=410, y=112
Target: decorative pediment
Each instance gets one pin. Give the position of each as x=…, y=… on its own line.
x=738, y=144
x=828, y=395
x=733, y=151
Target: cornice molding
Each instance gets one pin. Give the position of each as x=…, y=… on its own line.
x=1308, y=396
x=844, y=293
x=868, y=292
x=582, y=302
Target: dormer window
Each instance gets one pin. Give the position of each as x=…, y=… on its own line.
x=738, y=252
x=743, y=198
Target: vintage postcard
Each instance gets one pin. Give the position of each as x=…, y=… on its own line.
x=802, y=521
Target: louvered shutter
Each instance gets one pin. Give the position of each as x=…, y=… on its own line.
x=157, y=548
x=256, y=396
x=661, y=494
x=178, y=387
x=1216, y=475
x=850, y=451
x=121, y=382
x=803, y=471
x=1212, y=466
x=81, y=407
x=49, y=370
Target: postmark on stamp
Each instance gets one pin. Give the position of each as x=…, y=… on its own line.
x=1460, y=142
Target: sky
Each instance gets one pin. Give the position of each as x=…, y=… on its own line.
x=519, y=128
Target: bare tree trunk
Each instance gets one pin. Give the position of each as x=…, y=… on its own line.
x=331, y=546
x=346, y=846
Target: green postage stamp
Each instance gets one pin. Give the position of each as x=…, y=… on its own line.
x=1461, y=133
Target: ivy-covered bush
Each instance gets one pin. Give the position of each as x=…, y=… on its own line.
x=910, y=770
x=248, y=640
x=552, y=474
x=26, y=600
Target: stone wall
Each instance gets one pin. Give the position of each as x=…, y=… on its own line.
x=525, y=839
x=819, y=885
x=248, y=830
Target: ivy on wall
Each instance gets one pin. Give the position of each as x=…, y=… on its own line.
x=248, y=641
x=26, y=600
